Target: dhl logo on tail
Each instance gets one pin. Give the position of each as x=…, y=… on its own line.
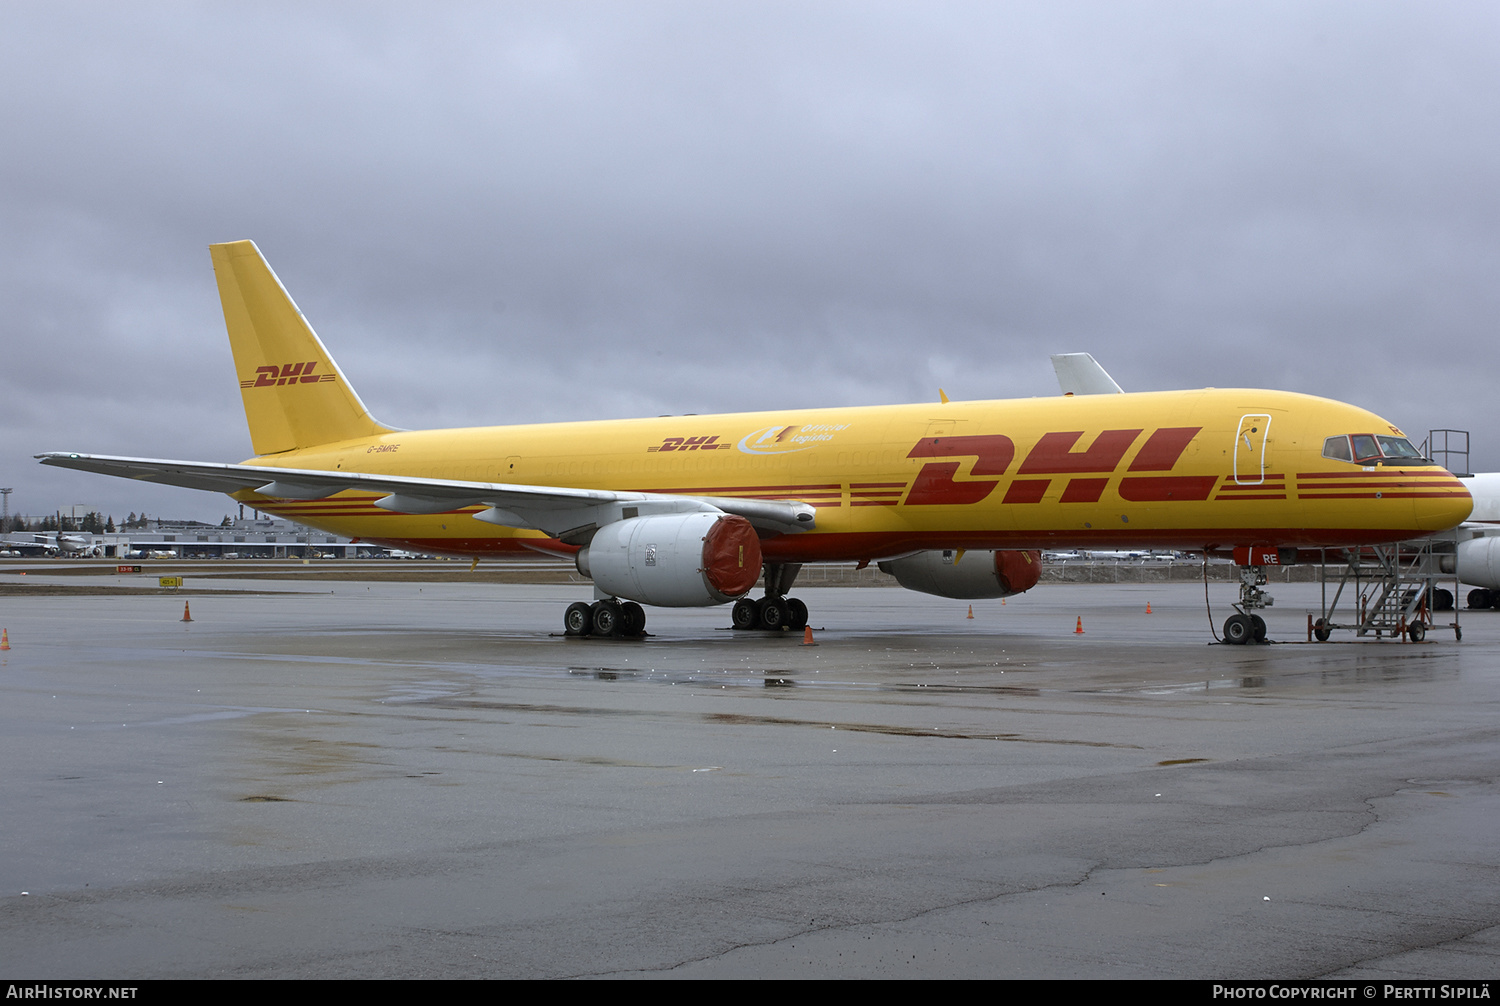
x=271, y=375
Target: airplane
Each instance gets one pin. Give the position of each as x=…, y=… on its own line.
x=693, y=511
x=1476, y=558
x=56, y=543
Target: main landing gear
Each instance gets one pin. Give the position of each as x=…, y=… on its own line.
x=775, y=611
x=611, y=617
x=605, y=618
x=771, y=613
x=1245, y=626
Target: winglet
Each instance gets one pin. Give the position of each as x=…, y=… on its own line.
x=1080, y=374
x=294, y=393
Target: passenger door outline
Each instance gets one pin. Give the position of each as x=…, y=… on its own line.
x=1250, y=449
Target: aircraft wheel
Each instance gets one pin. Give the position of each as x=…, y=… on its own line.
x=1442, y=600
x=1258, y=628
x=1416, y=631
x=578, y=620
x=1321, y=632
x=1238, y=630
x=796, y=614
x=1479, y=598
x=632, y=619
x=772, y=612
x=745, y=615
x=607, y=618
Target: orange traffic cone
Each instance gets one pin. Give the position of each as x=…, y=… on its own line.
x=1079, y=631
x=807, y=639
x=1148, y=607
x=971, y=611
x=187, y=615
x=4, y=639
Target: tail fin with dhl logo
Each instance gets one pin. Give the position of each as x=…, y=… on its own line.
x=295, y=395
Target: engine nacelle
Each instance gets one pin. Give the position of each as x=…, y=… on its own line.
x=1479, y=562
x=680, y=560
x=980, y=574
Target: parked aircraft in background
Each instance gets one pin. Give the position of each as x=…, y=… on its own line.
x=695, y=510
x=1477, y=554
x=53, y=543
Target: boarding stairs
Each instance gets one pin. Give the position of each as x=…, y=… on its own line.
x=1392, y=591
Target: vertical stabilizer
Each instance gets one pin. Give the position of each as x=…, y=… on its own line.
x=294, y=394
x=1080, y=374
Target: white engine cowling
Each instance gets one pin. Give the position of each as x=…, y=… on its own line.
x=980, y=574
x=686, y=560
x=1479, y=562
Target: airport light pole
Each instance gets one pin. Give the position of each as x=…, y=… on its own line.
x=5, y=510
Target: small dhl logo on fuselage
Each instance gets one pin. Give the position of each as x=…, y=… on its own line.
x=288, y=373
x=689, y=444
x=1053, y=454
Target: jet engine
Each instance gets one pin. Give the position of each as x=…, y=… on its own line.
x=682, y=560
x=979, y=574
x=1479, y=562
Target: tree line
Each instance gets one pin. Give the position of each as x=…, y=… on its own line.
x=93, y=522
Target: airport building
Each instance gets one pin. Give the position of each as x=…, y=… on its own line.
x=254, y=537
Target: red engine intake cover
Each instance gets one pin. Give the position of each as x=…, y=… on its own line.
x=731, y=556
x=1019, y=570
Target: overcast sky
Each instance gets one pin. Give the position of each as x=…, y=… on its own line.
x=513, y=212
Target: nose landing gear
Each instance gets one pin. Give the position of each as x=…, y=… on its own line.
x=1245, y=627
x=1241, y=629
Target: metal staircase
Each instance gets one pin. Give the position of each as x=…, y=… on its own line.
x=1393, y=591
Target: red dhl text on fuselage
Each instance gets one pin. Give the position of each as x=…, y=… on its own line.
x=1211, y=468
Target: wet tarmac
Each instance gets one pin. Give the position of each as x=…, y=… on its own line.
x=417, y=780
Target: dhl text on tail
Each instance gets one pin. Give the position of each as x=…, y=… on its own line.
x=696, y=510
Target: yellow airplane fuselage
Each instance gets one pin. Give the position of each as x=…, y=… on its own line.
x=1211, y=469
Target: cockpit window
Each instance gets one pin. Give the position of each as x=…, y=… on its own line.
x=1365, y=448
x=1397, y=447
x=1337, y=448
x=1370, y=449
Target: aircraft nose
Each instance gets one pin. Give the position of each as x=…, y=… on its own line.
x=1448, y=505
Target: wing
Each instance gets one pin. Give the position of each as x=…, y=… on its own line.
x=571, y=515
